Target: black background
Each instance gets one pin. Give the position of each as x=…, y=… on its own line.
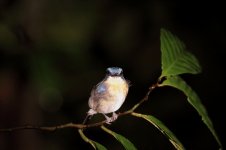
x=53, y=52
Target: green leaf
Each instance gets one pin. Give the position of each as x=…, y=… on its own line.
x=124, y=141
x=159, y=125
x=175, y=59
x=193, y=99
x=94, y=144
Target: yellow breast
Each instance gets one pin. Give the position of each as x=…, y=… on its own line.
x=117, y=86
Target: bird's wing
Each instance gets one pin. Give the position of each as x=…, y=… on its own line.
x=101, y=88
x=98, y=90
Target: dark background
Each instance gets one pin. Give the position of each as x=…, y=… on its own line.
x=52, y=52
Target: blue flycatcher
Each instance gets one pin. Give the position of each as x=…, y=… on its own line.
x=108, y=95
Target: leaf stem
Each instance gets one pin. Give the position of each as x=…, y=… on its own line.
x=86, y=139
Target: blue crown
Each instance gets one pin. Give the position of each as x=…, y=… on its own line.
x=114, y=71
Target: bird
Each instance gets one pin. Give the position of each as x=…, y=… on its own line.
x=109, y=94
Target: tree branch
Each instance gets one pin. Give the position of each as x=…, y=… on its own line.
x=80, y=126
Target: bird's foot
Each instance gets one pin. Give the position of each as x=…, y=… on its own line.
x=111, y=119
x=91, y=112
x=108, y=119
x=114, y=116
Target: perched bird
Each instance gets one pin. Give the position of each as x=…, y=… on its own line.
x=108, y=95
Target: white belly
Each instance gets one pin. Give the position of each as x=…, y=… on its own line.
x=117, y=91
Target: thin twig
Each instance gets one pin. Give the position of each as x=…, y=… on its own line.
x=50, y=128
x=80, y=126
x=151, y=88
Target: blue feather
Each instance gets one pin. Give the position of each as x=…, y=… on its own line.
x=101, y=88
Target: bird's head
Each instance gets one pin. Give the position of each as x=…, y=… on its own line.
x=114, y=71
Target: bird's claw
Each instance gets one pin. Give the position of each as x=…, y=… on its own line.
x=114, y=116
x=111, y=119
